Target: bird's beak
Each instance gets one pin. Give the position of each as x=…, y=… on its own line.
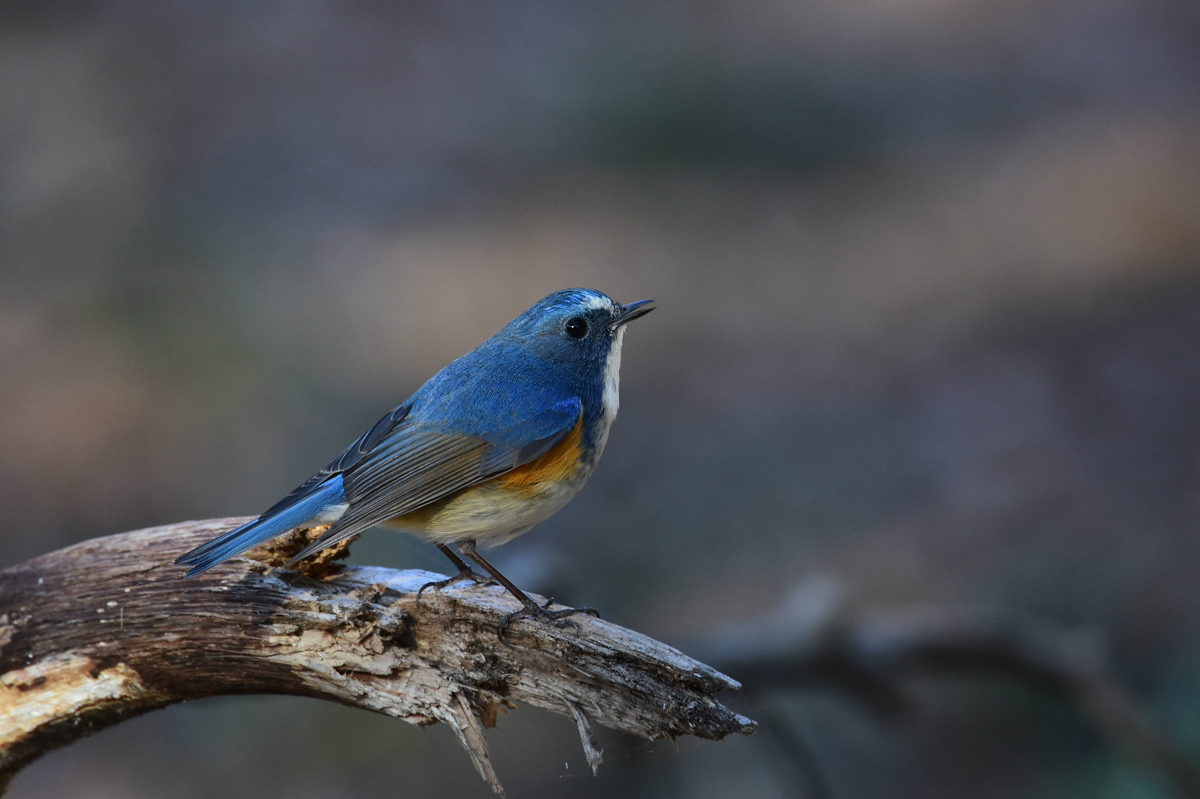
x=630, y=312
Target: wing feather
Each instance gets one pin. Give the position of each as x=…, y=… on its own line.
x=415, y=464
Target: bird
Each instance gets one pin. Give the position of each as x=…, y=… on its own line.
x=493, y=444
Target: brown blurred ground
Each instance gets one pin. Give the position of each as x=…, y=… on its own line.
x=929, y=323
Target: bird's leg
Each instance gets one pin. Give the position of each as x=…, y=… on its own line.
x=465, y=572
x=531, y=609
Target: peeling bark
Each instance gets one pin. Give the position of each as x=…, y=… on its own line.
x=108, y=629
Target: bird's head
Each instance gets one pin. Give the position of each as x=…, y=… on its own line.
x=577, y=327
x=579, y=332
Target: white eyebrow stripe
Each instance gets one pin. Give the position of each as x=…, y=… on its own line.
x=599, y=304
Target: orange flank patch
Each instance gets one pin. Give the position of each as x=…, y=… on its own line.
x=560, y=463
x=495, y=498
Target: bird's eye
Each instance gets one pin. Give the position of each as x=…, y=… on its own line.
x=576, y=327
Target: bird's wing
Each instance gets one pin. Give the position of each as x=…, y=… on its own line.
x=415, y=463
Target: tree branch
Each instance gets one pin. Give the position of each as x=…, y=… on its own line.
x=815, y=639
x=108, y=629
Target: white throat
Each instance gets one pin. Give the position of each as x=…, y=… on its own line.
x=612, y=378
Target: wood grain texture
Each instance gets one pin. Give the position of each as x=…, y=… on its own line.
x=108, y=629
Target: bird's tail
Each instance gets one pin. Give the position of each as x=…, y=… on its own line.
x=322, y=505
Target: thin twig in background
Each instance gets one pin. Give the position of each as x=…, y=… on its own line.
x=815, y=641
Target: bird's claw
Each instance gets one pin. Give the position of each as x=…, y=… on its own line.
x=535, y=611
x=465, y=574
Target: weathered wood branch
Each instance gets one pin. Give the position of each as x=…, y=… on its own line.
x=108, y=629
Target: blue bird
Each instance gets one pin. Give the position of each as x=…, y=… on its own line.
x=494, y=443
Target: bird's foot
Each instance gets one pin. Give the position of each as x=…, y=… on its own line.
x=532, y=610
x=465, y=574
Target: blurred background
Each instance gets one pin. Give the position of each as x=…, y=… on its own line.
x=928, y=276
